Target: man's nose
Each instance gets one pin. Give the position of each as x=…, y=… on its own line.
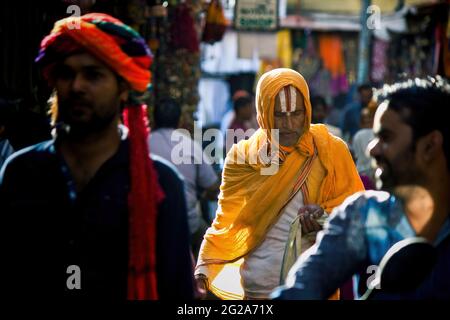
x=374, y=147
x=78, y=83
x=288, y=121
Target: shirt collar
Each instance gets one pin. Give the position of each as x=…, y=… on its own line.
x=444, y=232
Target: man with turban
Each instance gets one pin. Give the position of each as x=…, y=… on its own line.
x=89, y=213
x=274, y=192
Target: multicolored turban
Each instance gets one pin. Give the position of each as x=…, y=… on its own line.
x=124, y=51
x=108, y=39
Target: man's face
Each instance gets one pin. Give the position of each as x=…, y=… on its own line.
x=365, y=95
x=393, y=150
x=246, y=112
x=319, y=113
x=289, y=115
x=88, y=94
x=366, y=118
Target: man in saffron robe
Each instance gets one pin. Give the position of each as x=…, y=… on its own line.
x=275, y=190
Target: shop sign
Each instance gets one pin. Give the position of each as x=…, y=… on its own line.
x=256, y=15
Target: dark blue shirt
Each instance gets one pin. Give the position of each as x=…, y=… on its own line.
x=47, y=227
x=351, y=118
x=356, y=237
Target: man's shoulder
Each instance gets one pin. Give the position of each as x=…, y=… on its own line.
x=32, y=153
x=352, y=106
x=364, y=134
x=363, y=200
x=363, y=197
x=33, y=159
x=160, y=133
x=360, y=210
x=165, y=169
x=325, y=140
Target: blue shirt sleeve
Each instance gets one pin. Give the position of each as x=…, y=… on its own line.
x=340, y=252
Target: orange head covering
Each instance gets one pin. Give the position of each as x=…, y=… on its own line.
x=269, y=86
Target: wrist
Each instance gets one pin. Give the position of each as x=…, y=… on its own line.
x=203, y=278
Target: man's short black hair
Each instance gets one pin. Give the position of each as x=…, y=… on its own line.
x=318, y=101
x=364, y=86
x=167, y=113
x=423, y=103
x=242, y=102
x=5, y=113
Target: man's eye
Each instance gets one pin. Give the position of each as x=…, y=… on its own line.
x=64, y=73
x=385, y=137
x=93, y=75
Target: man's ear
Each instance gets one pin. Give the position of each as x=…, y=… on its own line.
x=124, y=90
x=430, y=145
x=51, y=82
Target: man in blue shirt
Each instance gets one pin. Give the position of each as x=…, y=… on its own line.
x=350, y=122
x=89, y=214
x=412, y=152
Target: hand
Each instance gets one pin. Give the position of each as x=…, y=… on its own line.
x=308, y=215
x=201, y=288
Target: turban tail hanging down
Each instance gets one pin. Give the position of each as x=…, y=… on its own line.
x=125, y=52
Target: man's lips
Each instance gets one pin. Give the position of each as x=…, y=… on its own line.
x=79, y=109
x=79, y=106
x=287, y=133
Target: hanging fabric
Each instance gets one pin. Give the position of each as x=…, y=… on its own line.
x=216, y=24
x=182, y=30
x=330, y=47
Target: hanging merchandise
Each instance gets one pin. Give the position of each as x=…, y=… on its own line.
x=284, y=48
x=182, y=30
x=410, y=54
x=177, y=76
x=422, y=49
x=305, y=58
x=379, y=60
x=330, y=48
x=350, y=46
x=320, y=83
x=177, y=61
x=136, y=14
x=215, y=23
x=155, y=15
